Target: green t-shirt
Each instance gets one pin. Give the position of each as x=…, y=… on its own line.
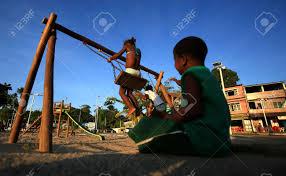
x=209, y=133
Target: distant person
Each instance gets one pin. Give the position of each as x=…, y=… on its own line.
x=260, y=128
x=155, y=100
x=133, y=58
x=201, y=125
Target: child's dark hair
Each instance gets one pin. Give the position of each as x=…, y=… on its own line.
x=193, y=46
x=148, y=87
x=138, y=52
x=132, y=41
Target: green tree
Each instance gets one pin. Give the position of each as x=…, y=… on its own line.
x=85, y=113
x=230, y=77
x=106, y=119
x=112, y=101
x=35, y=114
x=8, y=102
x=4, y=95
x=20, y=91
x=85, y=108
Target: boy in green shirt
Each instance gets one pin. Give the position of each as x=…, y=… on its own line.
x=200, y=125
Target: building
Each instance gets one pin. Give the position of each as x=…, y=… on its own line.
x=255, y=108
x=238, y=108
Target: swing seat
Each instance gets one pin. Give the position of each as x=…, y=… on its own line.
x=129, y=81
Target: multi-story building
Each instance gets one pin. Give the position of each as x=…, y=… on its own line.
x=238, y=107
x=255, y=107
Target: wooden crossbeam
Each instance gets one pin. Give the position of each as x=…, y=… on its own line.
x=94, y=44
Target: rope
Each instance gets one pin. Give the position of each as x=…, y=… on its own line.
x=113, y=66
x=104, y=57
x=151, y=81
x=119, y=63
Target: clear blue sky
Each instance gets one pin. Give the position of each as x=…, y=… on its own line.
x=226, y=26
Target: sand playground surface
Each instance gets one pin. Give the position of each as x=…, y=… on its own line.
x=118, y=155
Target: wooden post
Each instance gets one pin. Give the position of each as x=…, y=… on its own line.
x=163, y=89
x=159, y=81
x=59, y=120
x=31, y=79
x=166, y=96
x=68, y=127
x=46, y=136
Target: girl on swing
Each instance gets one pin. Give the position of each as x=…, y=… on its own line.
x=133, y=57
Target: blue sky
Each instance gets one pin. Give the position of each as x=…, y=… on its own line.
x=81, y=76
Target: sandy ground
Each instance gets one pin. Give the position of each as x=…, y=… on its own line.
x=118, y=155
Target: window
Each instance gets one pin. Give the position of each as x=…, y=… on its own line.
x=253, y=89
x=234, y=107
x=259, y=106
x=277, y=104
x=255, y=105
x=270, y=87
x=231, y=92
x=252, y=105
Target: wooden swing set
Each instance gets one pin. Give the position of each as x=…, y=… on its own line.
x=48, y=37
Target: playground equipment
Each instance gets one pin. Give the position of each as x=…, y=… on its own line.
x=123, y=79
x=59, y=109
x=49, y=38
x=31, y=106
x=83, y=128
x=33, y=124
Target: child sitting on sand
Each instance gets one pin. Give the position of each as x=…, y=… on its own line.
x=133, y=57
x=203, y=121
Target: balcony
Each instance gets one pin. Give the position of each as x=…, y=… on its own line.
x=266, y=94
x=268, y=112
x=239, y=116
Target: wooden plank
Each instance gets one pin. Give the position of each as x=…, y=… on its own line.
x=129, y=81
x=166, y=96
x=94, y=44
x=35, y=121
x=160, y=77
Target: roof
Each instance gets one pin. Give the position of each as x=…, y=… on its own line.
x=265, y=84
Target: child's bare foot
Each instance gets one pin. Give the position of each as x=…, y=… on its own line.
x=131, y=111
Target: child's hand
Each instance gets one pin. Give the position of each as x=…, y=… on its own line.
x=109, y=60
x=173, y=79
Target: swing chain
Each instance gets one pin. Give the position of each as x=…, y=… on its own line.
x=105, y=57
x=151, y=80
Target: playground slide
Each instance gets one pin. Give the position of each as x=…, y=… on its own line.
x=85, y=130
